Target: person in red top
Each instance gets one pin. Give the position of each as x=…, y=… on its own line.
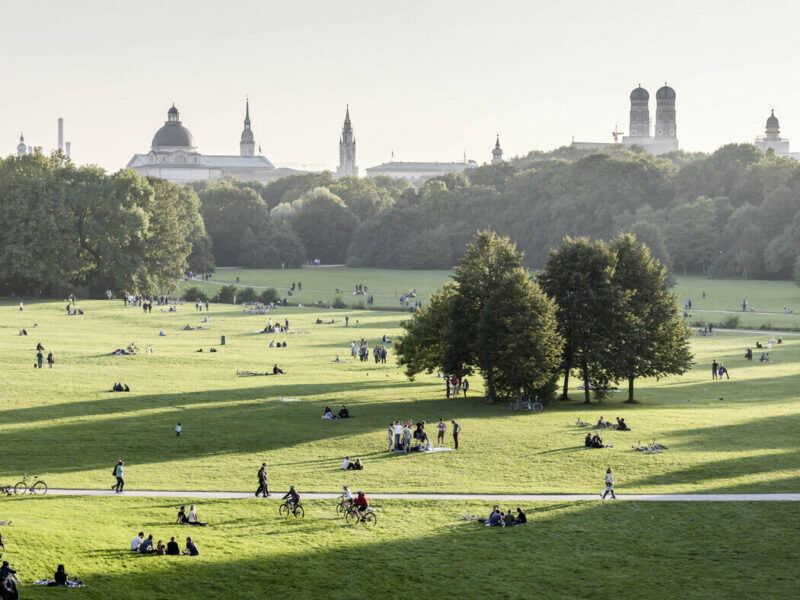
x=361, y=503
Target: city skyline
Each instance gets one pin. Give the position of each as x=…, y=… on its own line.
x=423, y=81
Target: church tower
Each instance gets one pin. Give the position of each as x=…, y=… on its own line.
x=666, y=136
x=773, y=128
x=247, y=145
x=497, y=153
x=640, y=114
x=22, y=149
x=347, y=149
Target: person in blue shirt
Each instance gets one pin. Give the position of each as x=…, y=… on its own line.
x=292, y=496
x=118, y=472
x=147, y=545
x=191, y=549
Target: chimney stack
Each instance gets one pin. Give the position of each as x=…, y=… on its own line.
x=60, y=134
x=69, y=149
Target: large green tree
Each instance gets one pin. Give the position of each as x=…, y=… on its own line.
x=650, y=338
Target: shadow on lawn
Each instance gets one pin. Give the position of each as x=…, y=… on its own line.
x=552, y=555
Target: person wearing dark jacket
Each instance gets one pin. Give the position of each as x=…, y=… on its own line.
x=262, y=481
x=172, y=547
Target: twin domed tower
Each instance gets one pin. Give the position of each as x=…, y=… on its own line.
x=664, y=138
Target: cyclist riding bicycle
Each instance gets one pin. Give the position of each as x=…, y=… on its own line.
x=347, y=495
x=361, y=504
x=292, y=497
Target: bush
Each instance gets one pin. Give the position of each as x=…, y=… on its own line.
x=730, y=323
x=193, y=293
x=269, y=296
x=339, y=303
x=226, y=293
x=247, y=294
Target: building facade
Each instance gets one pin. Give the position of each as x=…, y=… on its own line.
x=174, y=156
x=419, y=171
x=347, y=150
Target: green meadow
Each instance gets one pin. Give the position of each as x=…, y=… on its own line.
x=732, y=436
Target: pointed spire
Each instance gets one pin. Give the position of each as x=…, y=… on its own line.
x=497, y=143
x=347, y=114
x=21, y=137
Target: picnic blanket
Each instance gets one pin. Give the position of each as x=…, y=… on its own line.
x=71, y=584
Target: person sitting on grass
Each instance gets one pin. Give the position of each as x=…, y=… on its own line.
x=59, y=578
x=191, y=548
x=172, y=547
x=147, y=545
x=602, y=423
x=182, y=518
x=520, y=518
x=137, y=541
x=344, y=413
x=494, y=520
x=358, y=465
x=588, y=440
x=161, y=549
x=346, y=464
x=276, y=370
x=508, y=519
x=328, y=414
x=622, y=425
x=192, y=516
x=597, y=442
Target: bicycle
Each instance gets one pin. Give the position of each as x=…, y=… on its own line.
x=296, y=510
x=533, y=405
x=37, y=487
x=370, y=518
x=342, y=506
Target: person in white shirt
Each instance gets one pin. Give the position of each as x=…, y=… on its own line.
x=178, y=429
x=398, y=431
x=137, y=541
x=346, y=464
x=609, y=485
x=347, y=495
x=192, y=516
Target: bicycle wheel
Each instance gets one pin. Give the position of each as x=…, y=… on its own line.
x=370, y=519
x=20, y=488
x=40, y=487
x=538, y=407
x=350, y=515
x=284, y=510
x=339, y=509
x=298, y=512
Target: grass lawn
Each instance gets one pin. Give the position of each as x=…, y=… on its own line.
x=567, y=550
x=63, y=424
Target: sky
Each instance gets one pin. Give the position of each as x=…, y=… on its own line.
x=425, y=80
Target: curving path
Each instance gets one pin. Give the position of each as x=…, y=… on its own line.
x=486, y=497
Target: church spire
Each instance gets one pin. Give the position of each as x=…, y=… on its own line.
x=247, y=144
x=347, y=149
x=497, y=153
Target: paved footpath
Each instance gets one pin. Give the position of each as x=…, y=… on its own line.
x=486, y=497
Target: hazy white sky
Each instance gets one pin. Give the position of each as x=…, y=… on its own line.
x=427, y=79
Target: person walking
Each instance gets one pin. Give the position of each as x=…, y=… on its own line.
x=465, y=386
x=456, y=431
x=118, y=473
x=609, y=486
x=262, y=481
x=39, y=358
x=50, y=359
x=178, y=429
x=714, y=369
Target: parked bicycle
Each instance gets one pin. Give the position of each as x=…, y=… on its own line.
x=296, y=510
x=37, y=487
x=533, y=405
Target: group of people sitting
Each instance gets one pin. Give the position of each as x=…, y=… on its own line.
x=748, y=355
x=146, y=546
x=603, y=424
x=355, y=465
x=499, y=518
x=594, y=441
x=272, y=344
x=189, y=518
x=342, y=414
x=119, y=387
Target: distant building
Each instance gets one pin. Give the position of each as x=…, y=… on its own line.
x=497, y=152
x=173, y=156
x=347, y=150
x=419, y=171
x=22, y=149
x=772, y=139
x=665, y=136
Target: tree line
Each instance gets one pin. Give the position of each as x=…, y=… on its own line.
x=602, y=310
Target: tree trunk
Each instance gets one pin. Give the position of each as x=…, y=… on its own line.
x=490, y=387
x=630, y=399
x=586, y=390
x=565, y=395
